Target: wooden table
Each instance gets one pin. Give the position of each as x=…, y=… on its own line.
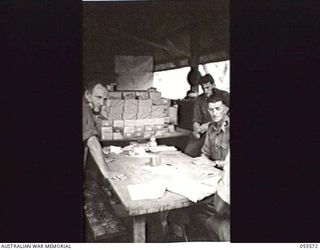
x=177, y=133
x=179, y=139
x=136, y=169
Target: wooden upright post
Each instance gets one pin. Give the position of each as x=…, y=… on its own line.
x=139, y=229
x=194, y=43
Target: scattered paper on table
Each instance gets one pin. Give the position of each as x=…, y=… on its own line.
x=162, y=148
x=203, y=161
x=208, y=173
x=163, y=170
x=212, y=181
x=191, y=189
x=145, y=191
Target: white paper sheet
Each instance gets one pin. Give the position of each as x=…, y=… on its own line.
x=212, y=181
x=145, y=191
x=164, y=170
x=193, y=190
x=162, y=148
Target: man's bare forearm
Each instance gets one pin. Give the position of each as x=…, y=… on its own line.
x=96, y=152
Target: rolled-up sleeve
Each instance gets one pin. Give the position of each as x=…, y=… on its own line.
x=88, y=126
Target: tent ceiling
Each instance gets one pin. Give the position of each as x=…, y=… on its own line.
x=163, y=29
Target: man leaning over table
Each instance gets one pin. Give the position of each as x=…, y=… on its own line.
x=201, y=117
x=94, y=98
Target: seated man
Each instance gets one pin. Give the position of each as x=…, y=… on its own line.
x=216, y=145
x=215, y=150
x=202, y=117
x=214, y=211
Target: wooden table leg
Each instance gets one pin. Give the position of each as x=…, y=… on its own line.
x=139, y=229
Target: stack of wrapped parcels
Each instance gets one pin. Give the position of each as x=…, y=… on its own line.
x=136, y=114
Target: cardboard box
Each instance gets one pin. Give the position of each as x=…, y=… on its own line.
x=166, y=130
x=139, y=129
x=117, y=136
x=148, y=122
x=116, y=106
x=118, y=126
x=158, y=127
x=106, y=123
x=115, y=95
x=129, y=123
x=147, y=134
x=142, y=94
x=138, y=135
x=173, y=115
x=157, y=121
x=165, y=110
x=115, y=116
x=130, y=109
x=107, y=136
x=129, y=95
x=171, y=128
x=148, y=128
x=166, y=119
x=162, y=102
x=128, y=135
x=106, y=130
x=160, y=133
x=144, y=109
x=140, y=122
x=155, y=96
x=165, y=102
x=128, y=130
x=156, y=111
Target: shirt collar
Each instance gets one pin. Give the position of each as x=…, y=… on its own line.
x=224, y=124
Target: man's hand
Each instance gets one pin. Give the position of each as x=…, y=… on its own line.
x=203, y=128
x=195, y=132
x=196, y=135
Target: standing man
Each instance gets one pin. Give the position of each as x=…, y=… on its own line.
x=202, y=117
x=214, y=212
x=94, y=98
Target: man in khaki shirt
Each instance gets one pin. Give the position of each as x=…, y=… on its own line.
x=214, y=213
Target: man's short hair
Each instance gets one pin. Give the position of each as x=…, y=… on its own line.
x=206, y=78
x=91, y=84
x=223, y=99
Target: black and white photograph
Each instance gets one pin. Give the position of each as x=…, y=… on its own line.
x=115, y=124
x=156, y=121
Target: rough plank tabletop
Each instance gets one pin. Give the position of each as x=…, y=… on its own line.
x=138, y=171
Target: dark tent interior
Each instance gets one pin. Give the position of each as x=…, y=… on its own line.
x=175, y=33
